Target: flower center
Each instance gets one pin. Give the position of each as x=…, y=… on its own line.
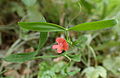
x=61, y=45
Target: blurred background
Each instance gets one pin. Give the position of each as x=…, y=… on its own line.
x=104, y=43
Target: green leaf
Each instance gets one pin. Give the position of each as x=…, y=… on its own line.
x=34, y=15
x=95, y=72
x=112, y=64
x=101, y=71
x=20, y=57
x=41, y=26
x=43, y=38
x=75, y=58
x=87, y=5
x=29, y=2
x=32, y=12
x=89, y=72
x=107, y=45
x=94, y=25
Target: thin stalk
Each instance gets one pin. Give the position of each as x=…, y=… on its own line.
x=49, y=56
x=67, y=35
x=89, y=55
x=23, y=42
x=11, y=49
x=13, y=46
x=84, y=60
x=68, y=57
x=3, y=71
x=94, y=55
x=39, y=45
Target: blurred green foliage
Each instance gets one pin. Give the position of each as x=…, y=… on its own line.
x=56, y=70
x=67, y=13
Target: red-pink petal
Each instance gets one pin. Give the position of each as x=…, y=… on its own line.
x=59, y=50
x=62, y=45
x=55, y=46
x=60, y=40
x=65, y=46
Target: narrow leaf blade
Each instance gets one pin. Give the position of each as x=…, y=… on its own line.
x=20, y=57
x=41, y=26
x=43, y=38
x=94, y=25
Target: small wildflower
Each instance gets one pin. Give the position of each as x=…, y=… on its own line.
x=62, y=45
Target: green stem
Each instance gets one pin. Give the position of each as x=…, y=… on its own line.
x=49, y=56
x=89, y=55
x=3, y=71
x=84, y=60
x=67, y=35
x=67, y=57
x=39, y=45
x=94, y=55
x=10, y=50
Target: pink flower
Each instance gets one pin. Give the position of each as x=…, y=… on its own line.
x=62, y=45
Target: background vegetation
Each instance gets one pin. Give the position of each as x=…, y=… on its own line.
x=99, y=50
